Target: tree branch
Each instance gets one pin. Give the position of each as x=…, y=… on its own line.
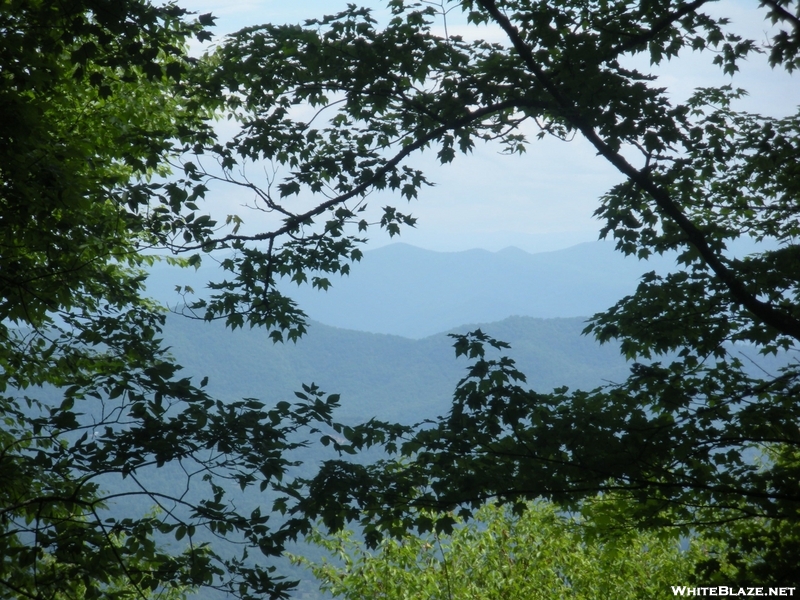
x=659, y=26
x=297, y=220
x=782, y=12
x=765, y=312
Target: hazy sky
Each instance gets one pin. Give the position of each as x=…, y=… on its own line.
x=544, y=199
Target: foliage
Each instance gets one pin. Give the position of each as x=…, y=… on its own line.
x=680, y=438
x=539, y=554
x=97, y=103
x=102, y=157
x=88, y=105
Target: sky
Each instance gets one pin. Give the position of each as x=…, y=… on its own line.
x=544, y=199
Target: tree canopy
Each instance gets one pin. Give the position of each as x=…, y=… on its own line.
x=97, y=100
x=537, y=555
x=104, y=160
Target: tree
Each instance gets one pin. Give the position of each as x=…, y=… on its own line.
x=537, y=555
x=680, y=439
x=97, y=103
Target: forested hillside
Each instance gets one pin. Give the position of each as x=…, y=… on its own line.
x=390, y=377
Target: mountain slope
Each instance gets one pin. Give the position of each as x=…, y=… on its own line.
x=387, y=376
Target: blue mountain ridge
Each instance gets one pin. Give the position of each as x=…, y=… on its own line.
x=379, y=336
x=379, y=375
x=403, y=290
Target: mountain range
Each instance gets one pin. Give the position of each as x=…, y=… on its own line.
x=411, y=292
x=379, y=337
x=379, y=375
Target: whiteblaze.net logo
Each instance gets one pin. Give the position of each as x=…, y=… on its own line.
x=731, y=592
